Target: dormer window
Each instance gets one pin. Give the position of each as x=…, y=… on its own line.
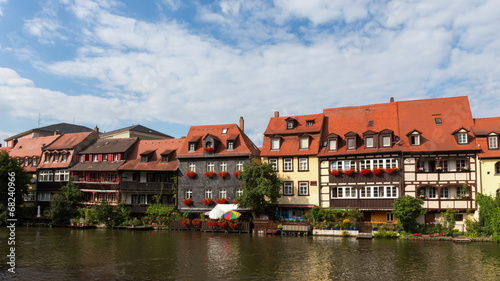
x=81, y=158
x=438, y=121
x=64, y=158
x=34, y=162
x=309, y=123
x=332, y=144
x=462, y=138
x=164, y=159
x=56, y=158
x=47, y=157
x=415, y=140
x=493, y=141
x=369, y=142
x=230, y=145
x=304, y=142
x=26, y=162
x=289, y=125
x=144, y=158
x=95, y=157
x=275, y=144
x=351, y=143
x=386, y=141
x=192, y=146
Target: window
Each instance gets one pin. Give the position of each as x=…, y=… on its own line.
x=192, y=167
x=438, y=121
x=304, y=143
x=144, y=159
x=303, y=164
x=116, y=157
x=386, y=141
x=111, y=177
x=431, y=192
x=61, y=175
x=288, y=188
x=138, y=199
x=189, y=193
x=415, y=140
x=493, y=142
x=309, y=123
x=34, y=162
x=230, y=145
x=56, y=158
x=26, y=162
x=110, y=197
x=239, y=192
x=105, y=157
x=192, y=147
x=343, y=165
x=369, y=142
x=223, y=166
x=44, y=196
x=210, y=166
x=274, y=163
x=45, y=176
x=332, y=145
x=164, y=159
x=289, y=125
x=224, y=131
x=287, y=164
x=47, y=157
x=462, y=138
x=208, y=144
x=239, y=165
x=95, y=157
x=389, y=217
x=303, y=188
x=460, y=164
x=81, y=158
x=344, y=192
x=497, y=168
x=275, y=144
x=64, y=158
x=30, y=196
x=223, y=193
x=351, y=143
x=208, y=193
x=150, y=177
x=445, y=192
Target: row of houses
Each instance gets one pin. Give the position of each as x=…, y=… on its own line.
x=359, y=157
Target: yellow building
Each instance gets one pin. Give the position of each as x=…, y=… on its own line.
x=487, y=131
x=138, y=131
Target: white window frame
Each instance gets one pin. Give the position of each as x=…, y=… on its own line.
x=192, y=167
x=303, y=188
x=208, y=193
x=445, y=192
x=189, y=193
x=343, y=165
x=45, y=176
x=288, y=188
x=460, y=163
x=389, y=217
x=386, y=141
x=346, y=192
x=223, y=166
x=304, y=143
x=287, y=164
x=303, y=164
x=95, y=157
x=192, y=147
x=415, y=140
x=289, y=125
x=493, y=142
x=239, y=192
x=462, y=138
x=351, y=143
x=55, y=159
x=64, y=157
x=61, y=175
x=239, y=165
x=230, y=145
x=44, y=196
x=34, y=162
x=47, y=158
x=332, y=144
x=275, y=144
x=274, y=163
x=26, y=162
x=369, y=142
x=210, y=167
x=115, y=157
x=431, y=192
x=223, y=193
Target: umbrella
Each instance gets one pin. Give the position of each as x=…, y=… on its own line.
x=231, y=215
x=220, y=209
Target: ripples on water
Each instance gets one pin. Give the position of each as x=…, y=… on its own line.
x=69, y=254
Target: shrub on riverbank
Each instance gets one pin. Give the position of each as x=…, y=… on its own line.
x=385, y=234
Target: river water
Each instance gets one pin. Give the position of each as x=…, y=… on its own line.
x=100, y=254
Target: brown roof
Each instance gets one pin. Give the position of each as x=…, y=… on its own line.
x=278, y=125
x=485, y=126
x=97, y=166
x=243, y=145
x=68, y=141
x=157, y=148
x=31, y=147
x=104, y=146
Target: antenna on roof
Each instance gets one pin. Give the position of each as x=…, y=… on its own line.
x=38, y=120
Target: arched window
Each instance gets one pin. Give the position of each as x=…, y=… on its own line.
x=497, y=168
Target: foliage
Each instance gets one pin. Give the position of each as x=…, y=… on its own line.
x=103, y=213
x=449, y=215
x=14, y=184
x=406, y=210
x=385, y=234
x=63, y=205
x=122, y=213
x=261, y=186
x=332, y=215
x=489, y=216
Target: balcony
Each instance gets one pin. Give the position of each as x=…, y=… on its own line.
x=442, y=204
x=359, y=178
x=146, y=186
x=367, y=204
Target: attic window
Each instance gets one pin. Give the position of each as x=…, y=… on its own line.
x=493, y=142
x=369, y=142
x=351, y=143
x=47, y=157
x=309, y=123
x=192, y=146
x=230, y=145
x=224, y=131
x=26, y=162
x=370, y=123
x=164, y=158
x=34, y=163
x=462, y=138
x=275, y=144
x=415, y=140
x=386, y=141
x=304, y=142
x=289, y=125
x=144, y=158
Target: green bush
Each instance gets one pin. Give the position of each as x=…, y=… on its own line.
x=385, y=234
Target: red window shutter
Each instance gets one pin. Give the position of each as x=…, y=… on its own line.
x=119, y=156
x=90, y=157
x=83, y=158
x=99, y=158
x=110, y=157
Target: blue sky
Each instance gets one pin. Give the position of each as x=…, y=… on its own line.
x=172, y=64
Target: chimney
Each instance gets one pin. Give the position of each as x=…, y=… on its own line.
x=56, y=132
x=96, y=129
x=392, y=99
x=276, y=114
x=242, y=124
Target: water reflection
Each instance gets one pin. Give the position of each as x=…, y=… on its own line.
x=62, y=254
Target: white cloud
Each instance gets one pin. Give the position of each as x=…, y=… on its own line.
x=2, y=3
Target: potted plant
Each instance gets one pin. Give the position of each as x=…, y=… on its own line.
x=211, y=223
x=187, y=201
x=222, y=223
x=209, y=174
x=190, y=174
x=237, y=173
x=222, y=174
x=377, y=171
x=207, y=201
x=221, y=200
x=208, y=149
x=350, y=172
x=335, y=172
x=365, y=172
x=186, y=222
x=196, y=222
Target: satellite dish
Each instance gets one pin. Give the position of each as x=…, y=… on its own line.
x=32, y=180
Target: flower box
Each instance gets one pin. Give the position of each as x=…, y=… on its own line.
x=377, y=171
x=335, y=172
x=365, y=172
x=221, y=200
x=186, y=222
x=237, y=173
x=350, y=172
x=208, y=149
x=187, y=201
x=222, y=174
x=420, y=170
x=209, y=174
x=393, y=170
x=190, y=174
x=196, y=222
x=211, y=223
x=207, y=201
x=233, y=224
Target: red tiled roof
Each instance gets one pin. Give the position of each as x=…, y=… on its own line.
x=486, y=153
x=289, y=144
x=31, y=147
x=59, y=164
x=243, y=145
x=68, y=141
x=360, y=119
x=109, y=146
x=484, y=126
x=157, y=148
x=420, y=115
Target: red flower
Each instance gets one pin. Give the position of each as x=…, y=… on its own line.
x=377, y=171
x=349, y=172
x=221, y=200
x=207, y=201
x=237, y=173
x=391, y=170
x=235, y=201
x=222, y=223
x=209, y=174
x=365, y=172
x=190, y=174
x=222, y=174
x=187, y=201
x=196, y=222
x=335, y=172
x=185, y=222
x=233, y=224
x=208, y=149
x=211, y=223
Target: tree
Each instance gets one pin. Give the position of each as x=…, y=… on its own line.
x=261, y=186
x=13, y=185
x=63, y=205
x=406, y=210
